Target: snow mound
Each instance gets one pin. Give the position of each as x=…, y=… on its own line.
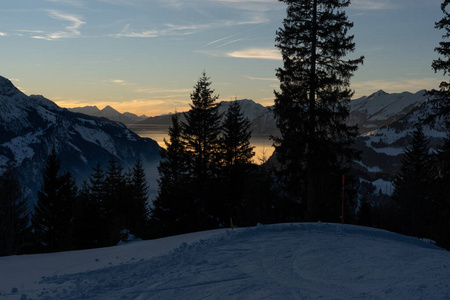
x=285, y=261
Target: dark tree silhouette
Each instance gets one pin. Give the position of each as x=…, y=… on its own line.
x=411, y=187
x=174, y=210
x=201, y=133
x=52, y=219
x=311, y=106
x=14, y=216
x=237, y=160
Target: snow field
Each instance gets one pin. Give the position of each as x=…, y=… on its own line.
x=284, y=261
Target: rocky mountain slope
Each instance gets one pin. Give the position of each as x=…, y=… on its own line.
x=30, y=126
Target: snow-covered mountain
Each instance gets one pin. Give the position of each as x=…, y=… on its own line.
x=109, y=113
x=30, y=126
x=382, y=109
x=281, y=261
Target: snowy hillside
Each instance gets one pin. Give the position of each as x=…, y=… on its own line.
x=285, y=261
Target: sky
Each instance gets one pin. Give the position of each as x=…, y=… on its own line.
x=145, y=56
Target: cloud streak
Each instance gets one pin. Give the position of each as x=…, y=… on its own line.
x=256, y=53
x=76, y=3
x=71, y=30
x=169, y=30
x=371, y=5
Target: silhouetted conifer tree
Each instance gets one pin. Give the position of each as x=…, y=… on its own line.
x=201, y=133
x=440, y=196
x=411, y=187
x=116, y=199
x=138, y=210
x=14, y=216
x=174, y=210
x=441, y=98
x=311, y=106
x=52, y=219
x=88, y=222
x=237, y=160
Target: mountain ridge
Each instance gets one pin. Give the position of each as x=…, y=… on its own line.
x=31, y=126
x=110, y=113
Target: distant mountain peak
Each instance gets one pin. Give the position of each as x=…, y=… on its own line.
x=7, y=88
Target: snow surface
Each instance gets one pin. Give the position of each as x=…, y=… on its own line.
x=284, y=261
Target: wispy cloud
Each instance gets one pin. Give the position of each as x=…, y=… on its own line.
x=168, y=30
x=77, y=3
x=257, y=53
x=2, y=34
x=162, y=91
x=71, y=30
x=260, y=79
x=371, y=5
x=117, y=82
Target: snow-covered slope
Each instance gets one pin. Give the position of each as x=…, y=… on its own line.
x=284, y=261
x=30, y=126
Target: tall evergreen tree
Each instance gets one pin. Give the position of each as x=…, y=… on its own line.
x=441, y=98
x=173, y=211
x=87, y=222
x=411, y=187
x=52, y=219
x=441, y=109
x=138, y=211
x=201, y=133
x=115, y=201
x=98, y=200
x=440, y=196
x=236, y=137
x=311, y=106
x=237, y=160
x=14, y=217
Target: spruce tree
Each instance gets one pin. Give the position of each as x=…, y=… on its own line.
x=116, y=200
x=440, y=196
x=174, y=209
x=237, y=160
x=201, y=133
x=138, y=211
x=411, y=187
x=99, y=201
x=236, y=137
x=311, y=106
x=14, y=216
x=87, y=223
x=441, y=98
x=52, y=219
x=441, y=109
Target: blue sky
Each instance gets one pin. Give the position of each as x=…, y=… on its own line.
x=144, y=56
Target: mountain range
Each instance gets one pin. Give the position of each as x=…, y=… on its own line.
x=385, y=120
x=31, y=126
x=109, y=113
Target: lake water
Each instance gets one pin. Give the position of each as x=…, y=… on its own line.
x=159, y=132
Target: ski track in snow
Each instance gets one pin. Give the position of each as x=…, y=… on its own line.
x=285, y=261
